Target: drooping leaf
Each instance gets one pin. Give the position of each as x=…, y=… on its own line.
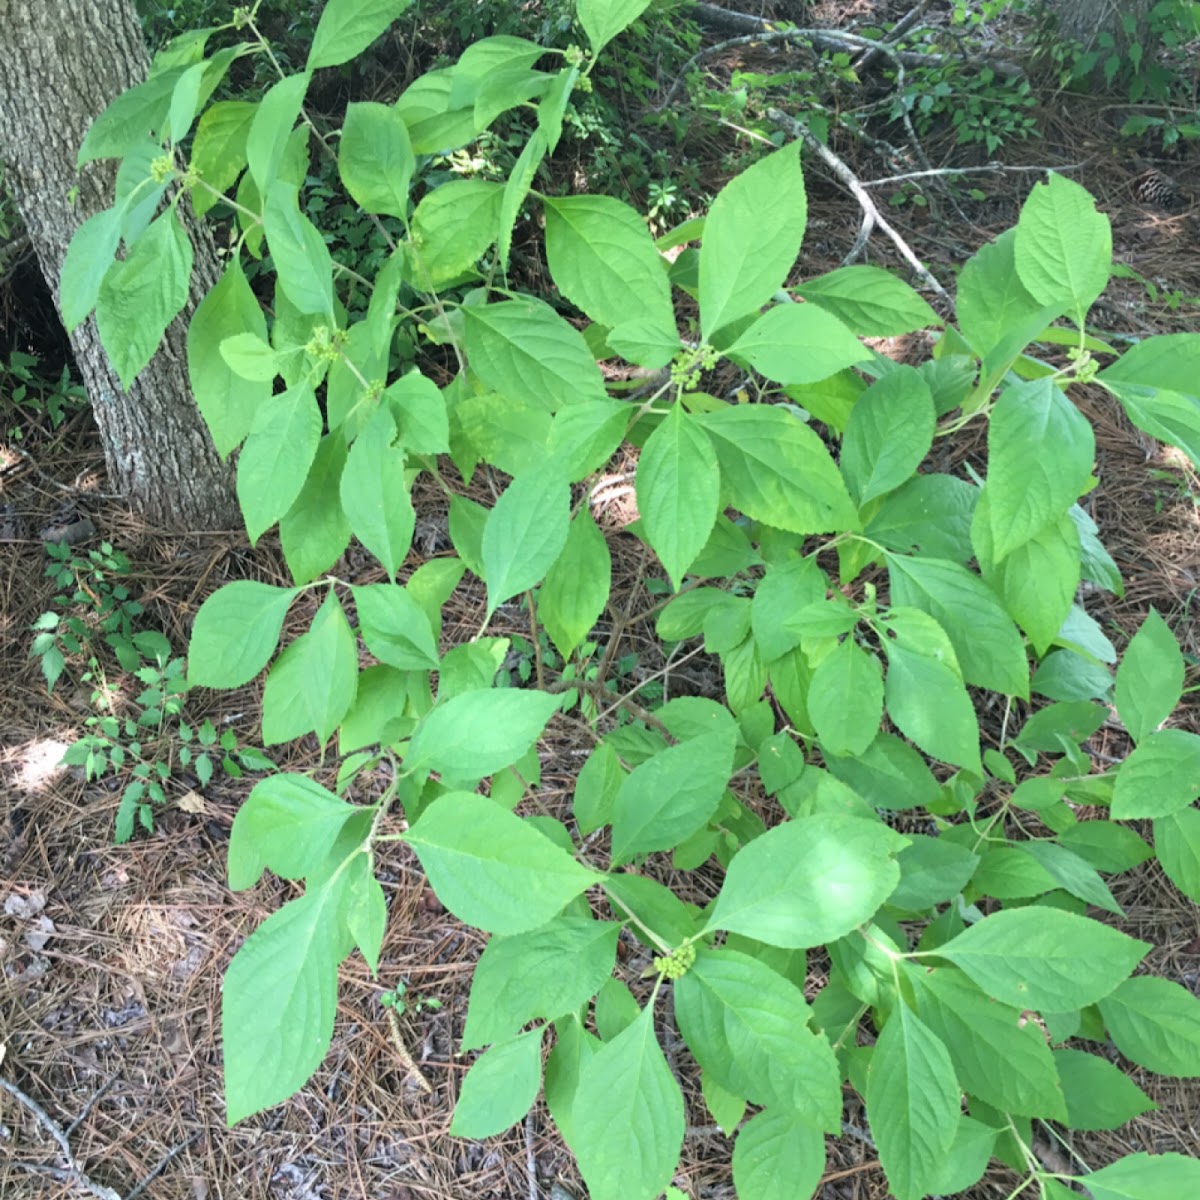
x=776, y=470
x=299, y=252
x=1040, y=455
x=543, y=974
x=1099, y=1095
x=752, y=235
x=490, y=868
x=88, y=258
x=235, y=633
x=1160, y=777
x=271, y=127
x=678, y=491
x=500, y=1087
x=913, y=1103
x=576, y=587
x=375, y=158
x=602, y=20
x=671, y=796
x=525, y=533
x=1155, y=1023
x=1150, y=678
x=777, y=1156
x=628, y=1120
x=348, y=27
x=313, y=682
x=889, y=433
x=747, y=1027
x=808, y=881
x=1044, y=958
x=374, y=494
x=798, y=344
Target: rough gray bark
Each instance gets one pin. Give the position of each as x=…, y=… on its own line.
x=62, y=62
x=1082, y=20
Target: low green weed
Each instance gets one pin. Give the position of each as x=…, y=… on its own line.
x=893, y=647
x=25, y=390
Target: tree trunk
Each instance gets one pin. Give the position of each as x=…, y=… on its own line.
x=1083, y=20
x=63, y=62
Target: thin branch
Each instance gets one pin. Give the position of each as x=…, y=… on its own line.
x=72, y=1174
x=870, y=210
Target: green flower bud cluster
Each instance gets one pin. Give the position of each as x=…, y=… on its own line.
x=325, y=346
x=162, y=168
x=676, y=964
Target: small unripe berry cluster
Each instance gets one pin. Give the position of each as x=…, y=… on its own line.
x=676, y=964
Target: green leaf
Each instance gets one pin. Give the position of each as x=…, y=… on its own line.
x=525, y=533
x=785, y=590
x=299, y=252
x=933, y=871
x=543, y=974
x=596, y=789
x=1073, y=874
x=1160, y=777
x=777, y=1156
x=678, y=491
x=1177, y=843
x=913, y=1103
x=88, y=258
x=603, y=259
x=924, y=690
x=746, y=1025
x=845, y=699
x=374, y=495
x=929, y=515
x=235, y=633
x=776, y=470
x=602, y=20
x=1156, y=1024
x=798, y=344
x=999, y=1056
x=219, y=149
x=516, y=191
x=287, y=825
x=434, y=124
x=871, y=301
x=365, y=910
x=1044, y=958
x=313, y=682
x=142, y=294
x=726, y=1109
x=1040, y=454
x=348, y=27
x=315, y=530
x=278, y=1001
x=584, y=436
x=271, y=128
x=132, y=117
x=752, y=235
x=889, y=433
x=524, y=349
x=452, y=227
x=575, y=591
x=419, y=411
x=480, y=732
x=670, y=796
x=1145, y=1177
x=808, y=881
x=500, y=1087
x=1108, y=847
x=277, y=456
x=628, y=1120
x=227, y=401
x=996, y=313
x=395, y=627
x=968, y=1158
x=985, y=640
x=375, y=159
x=615, y=1009
x=1150, y=678
x=1099, y=1096
x=1063, y=247
x=490, y=868
x=1038, y=581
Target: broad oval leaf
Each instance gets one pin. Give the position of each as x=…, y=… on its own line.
x=1156, y=1024
x=525, y=533
x=348, y=27
x=480, y=732
x=752, y=235
x=575, y=591
x=1043, y=958
x=500, y=1087
x=627, y=1123
x=375, y=158
x=1150, y=678
x=871, y=301
x=235, y=633
x=395, y=627
x=845, y=699
x=777, y=1156
x=1099, y=1094
x=798, y=344
x=678, y=491
x=808, y=881
x=492, y=869
x=1160, y=777
x=299, y=252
